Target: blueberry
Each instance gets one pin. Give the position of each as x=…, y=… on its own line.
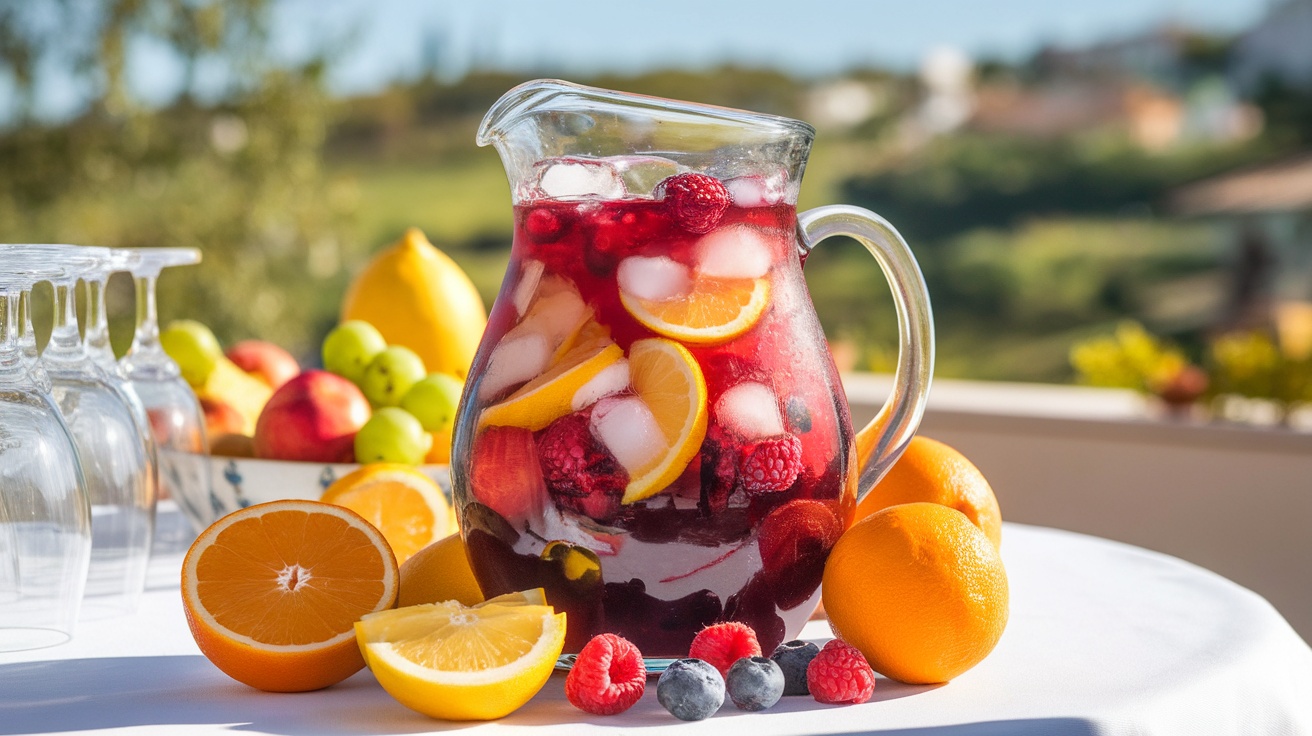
x=793, y=657
x=755, y=683
x=690, y=689
x=799, y=418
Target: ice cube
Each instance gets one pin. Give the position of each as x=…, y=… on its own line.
x=575, y=178
x=757, y=191
x=611, y=380
x=557, y=527
x=750, y=410
x=629, y=431
x=641, y=174
x=529, y=276
x=654, y=279
x=557, y=313
x=520, y=356
x=733, y=252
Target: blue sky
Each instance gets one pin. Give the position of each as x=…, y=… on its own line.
x=812, y=37
x=375, y=41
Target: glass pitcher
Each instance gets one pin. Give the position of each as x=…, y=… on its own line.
x=653, y=429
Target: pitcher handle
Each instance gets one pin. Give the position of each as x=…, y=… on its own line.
x=881, y=442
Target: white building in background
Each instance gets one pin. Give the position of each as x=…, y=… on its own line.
x=1279, y=46
x=948, y=76
x=844, y=103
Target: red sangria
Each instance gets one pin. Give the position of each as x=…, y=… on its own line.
x=658, y=441
x=653, y=429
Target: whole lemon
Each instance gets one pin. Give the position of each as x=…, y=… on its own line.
x=419, y=298
x=919, y=590
x=932, y=471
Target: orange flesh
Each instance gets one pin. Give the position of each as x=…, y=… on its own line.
x=290, y=578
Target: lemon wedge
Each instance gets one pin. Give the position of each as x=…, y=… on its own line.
x=464, y=663
x=549, y=397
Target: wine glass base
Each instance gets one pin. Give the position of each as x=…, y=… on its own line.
x=655, y=665
x=23, y=638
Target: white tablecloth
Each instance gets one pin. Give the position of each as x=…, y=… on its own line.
x=1103, y=639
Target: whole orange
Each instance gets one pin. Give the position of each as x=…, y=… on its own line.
x=934, y=472
x=919, y=590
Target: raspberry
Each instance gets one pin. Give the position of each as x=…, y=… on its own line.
x=544, y=225
x=725, y=643
x=770, y=465
x=697, y=201
x=608, y=677
x=579, y=473
x=840, y=675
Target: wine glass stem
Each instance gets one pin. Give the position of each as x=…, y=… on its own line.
x=26, y=336
x=146, y=338
x=64, y=339
x=97, y=326
x=9, y=354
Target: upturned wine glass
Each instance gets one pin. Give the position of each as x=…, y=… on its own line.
x=172, y=409
x=116, y=461
x=45, y=514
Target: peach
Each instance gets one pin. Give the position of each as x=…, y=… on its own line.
x=313, y=418
x=264, y=360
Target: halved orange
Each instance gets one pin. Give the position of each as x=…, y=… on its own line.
x=400, y=501
x=550, y=396
x=272, y=592
x=668, y=380
x=717, y=310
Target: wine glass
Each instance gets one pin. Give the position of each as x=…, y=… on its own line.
x=173, y=412
x=116, y=462
x=95, y=339
x=45, y=514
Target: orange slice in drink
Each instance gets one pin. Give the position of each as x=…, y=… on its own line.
x=272, y=592
x=401, y=502
x=717, y=310
x=550, y=396
x=668, y=380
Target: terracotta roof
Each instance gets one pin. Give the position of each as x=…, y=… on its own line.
x=1283, y=186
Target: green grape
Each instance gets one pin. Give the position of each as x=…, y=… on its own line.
x=392, y=435
x=433, y=400
x=391, y=374
x=193, y=347
x=350, y=348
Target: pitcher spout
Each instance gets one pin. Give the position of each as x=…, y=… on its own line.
x=550, y=119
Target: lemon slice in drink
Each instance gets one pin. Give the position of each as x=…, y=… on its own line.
x=549, y=397
x=717, y=310
x=464, y=663
x=668, y=380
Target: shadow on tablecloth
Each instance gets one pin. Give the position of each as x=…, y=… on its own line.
x=183, y=691
x=189, y=694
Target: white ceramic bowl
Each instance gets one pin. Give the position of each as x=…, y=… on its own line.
x=214, y=486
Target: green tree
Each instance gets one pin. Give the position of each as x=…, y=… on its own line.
x=231, y=165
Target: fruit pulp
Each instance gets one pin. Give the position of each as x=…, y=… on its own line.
x=745, y=507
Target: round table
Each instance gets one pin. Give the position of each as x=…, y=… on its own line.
x=1103, y=638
